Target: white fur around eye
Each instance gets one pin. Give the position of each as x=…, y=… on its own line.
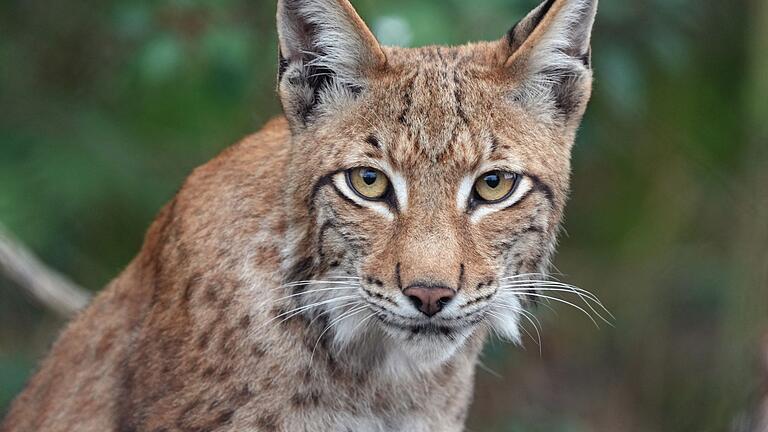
x=484, y=210
x=465, y=191
x=340, y=181
x=400, y=187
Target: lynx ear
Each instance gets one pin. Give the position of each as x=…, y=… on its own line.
x=325, y=53
x=549, y=53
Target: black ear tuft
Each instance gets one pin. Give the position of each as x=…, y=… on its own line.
x=551, y=47
x=326, y=52
x=523, y=28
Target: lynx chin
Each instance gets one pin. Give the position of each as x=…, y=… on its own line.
x=341, y=269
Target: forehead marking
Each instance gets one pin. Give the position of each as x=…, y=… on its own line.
x=408, y=99
x=458, y=96
x=494, y=145
x=434, y=110
x=372, y=140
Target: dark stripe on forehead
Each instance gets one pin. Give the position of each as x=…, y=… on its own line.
x=372, y=140
x=495, y=145
x=408, y=99
x=376, y=150
x=458, y=97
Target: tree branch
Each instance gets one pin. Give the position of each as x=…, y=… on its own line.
x=45, y=285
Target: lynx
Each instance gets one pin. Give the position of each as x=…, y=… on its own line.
x=341, y=269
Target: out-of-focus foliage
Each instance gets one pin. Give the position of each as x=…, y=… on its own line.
x=106, y=105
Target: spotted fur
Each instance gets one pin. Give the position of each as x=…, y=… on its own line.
x=217, y=324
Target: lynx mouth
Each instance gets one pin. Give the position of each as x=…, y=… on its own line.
x=451, y=328
x=421, y=330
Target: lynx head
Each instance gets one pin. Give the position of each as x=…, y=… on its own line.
x=423, y=179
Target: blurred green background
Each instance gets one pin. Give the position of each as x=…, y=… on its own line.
x=106, y=105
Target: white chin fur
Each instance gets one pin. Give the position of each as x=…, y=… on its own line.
x=430, y=350
x=402, y=356
x=406, y=358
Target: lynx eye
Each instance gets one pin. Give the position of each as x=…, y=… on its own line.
x=495, y=186
x=369, y=183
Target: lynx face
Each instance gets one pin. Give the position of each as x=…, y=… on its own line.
x=433, y=177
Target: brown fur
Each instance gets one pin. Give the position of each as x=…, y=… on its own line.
x=195, y=334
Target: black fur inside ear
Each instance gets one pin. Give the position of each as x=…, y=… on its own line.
x=318, y=79
x=306, y=74
x=309, y=83
x=567, y=94
x=325, y=53
x=543, y=11
x=558, y=61
x=523, y=28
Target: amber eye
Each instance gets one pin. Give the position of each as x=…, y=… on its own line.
x=495, y=186
x=368, y=182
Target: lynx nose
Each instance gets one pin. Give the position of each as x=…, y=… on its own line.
x=429, y=300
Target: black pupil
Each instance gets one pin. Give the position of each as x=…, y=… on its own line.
x=369, y=176
x=493, y=180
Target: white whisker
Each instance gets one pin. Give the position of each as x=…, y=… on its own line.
x=352, y=303
x=492, y=329
x=361, y=322
x=528, y=316
x=313, y=292
x=546, y=283
x=582, y=294
x=546, y=305
x=484, y=367
x=501, y=318
x=313, y=282
x=301, y=309
x=345, y=277
x=518, y=309
x=570, y=304
x=343, y=316
x=522, y=275
x=528, y=288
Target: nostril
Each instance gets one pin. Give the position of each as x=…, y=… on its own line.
x=417, y=303
x=443, y=301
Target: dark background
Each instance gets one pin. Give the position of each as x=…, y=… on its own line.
x=105, y=106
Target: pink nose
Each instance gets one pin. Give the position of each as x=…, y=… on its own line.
x=429, y=300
